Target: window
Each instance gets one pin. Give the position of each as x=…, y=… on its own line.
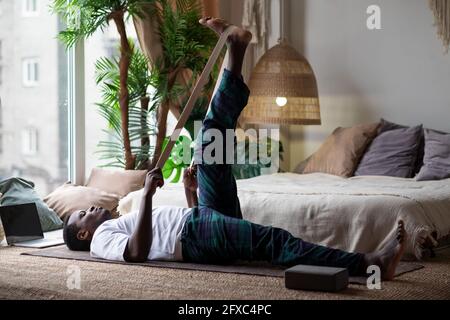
x=30, y=72
x=30, y=142
x=111, y=48
x=30, y=8
x=101, y=44
x=35, y=123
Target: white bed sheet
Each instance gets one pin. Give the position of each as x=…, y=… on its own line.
x=358, y=214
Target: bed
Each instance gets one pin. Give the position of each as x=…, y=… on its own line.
x=355, y=214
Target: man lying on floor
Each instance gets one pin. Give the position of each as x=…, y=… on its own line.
x=212, y=230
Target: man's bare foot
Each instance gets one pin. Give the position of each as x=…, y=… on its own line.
x=239, y=37
x=237, y=42
x=389, y=257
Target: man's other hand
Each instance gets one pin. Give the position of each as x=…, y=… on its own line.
x=190, y=179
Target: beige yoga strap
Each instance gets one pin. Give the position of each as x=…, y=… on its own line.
x=202, y=81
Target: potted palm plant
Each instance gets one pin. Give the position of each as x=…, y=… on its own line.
x=83, y=18
x=186, y=46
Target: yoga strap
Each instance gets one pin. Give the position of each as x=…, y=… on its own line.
x=202, y=81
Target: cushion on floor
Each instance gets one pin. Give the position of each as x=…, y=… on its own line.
x=69, y=198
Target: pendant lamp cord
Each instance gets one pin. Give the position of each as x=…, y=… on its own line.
x=282, y=13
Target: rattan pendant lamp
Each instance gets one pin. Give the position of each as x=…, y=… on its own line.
x=283, y=87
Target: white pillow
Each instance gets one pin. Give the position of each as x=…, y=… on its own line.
x=130, y=202
x=172, y=194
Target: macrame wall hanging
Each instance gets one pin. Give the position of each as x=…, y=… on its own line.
x=441, y=10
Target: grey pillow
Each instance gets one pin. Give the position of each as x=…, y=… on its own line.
x=387, y=125
x=20, y=191
x=302, y=165
x=392, y=153
x=437, y=156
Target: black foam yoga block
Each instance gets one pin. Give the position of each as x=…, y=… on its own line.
x=315, y=278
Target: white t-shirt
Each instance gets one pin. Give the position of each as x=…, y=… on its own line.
x=111, y=237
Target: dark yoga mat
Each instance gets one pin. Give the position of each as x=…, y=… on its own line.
x=61, y=252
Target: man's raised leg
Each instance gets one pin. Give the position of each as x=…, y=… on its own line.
x=217, y=185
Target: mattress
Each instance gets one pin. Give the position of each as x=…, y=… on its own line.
x=358, y=214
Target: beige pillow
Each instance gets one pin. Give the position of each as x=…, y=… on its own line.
x=69, y=198
x=120, y=182
x=341, y=152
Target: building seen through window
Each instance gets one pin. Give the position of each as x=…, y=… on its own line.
x=34, y=91
x=33, y=95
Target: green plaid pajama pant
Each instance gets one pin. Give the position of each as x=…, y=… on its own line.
x=215, y=233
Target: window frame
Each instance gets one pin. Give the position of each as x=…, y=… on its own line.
x=30, y=141
x=27, y=13
x=76, y=114
x=26, y=62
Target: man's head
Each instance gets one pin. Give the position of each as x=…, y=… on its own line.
x=80, y=226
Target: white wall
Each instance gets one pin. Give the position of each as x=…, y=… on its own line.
x=232, y=10
x=399, y=72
